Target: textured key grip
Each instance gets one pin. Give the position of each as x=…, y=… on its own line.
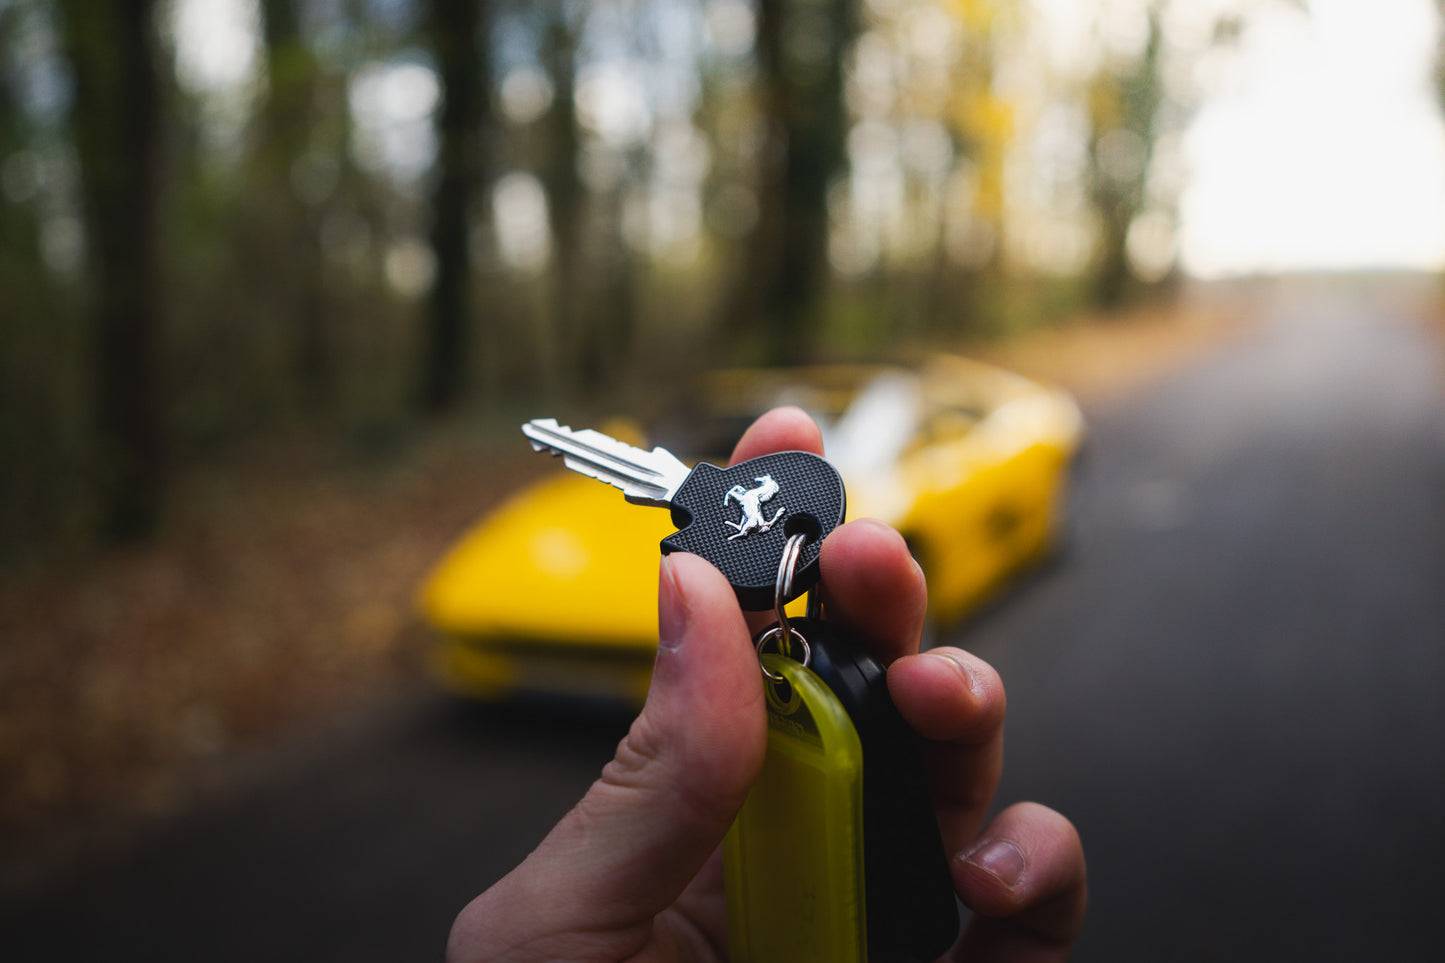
x=739, y=519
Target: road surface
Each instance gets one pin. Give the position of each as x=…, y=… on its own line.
x=1236, y=691
x=1232, y=686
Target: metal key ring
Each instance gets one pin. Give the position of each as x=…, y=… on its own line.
x=776, y=632
x=787, y=568
x=783, y=587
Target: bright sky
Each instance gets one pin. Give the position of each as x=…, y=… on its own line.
x=1328, y=151
x=1321, y=145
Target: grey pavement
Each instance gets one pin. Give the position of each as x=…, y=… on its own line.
x=1234, y=689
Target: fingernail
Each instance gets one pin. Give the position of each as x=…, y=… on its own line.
x=970, y=677
x=671, y=612
x=1001, y=859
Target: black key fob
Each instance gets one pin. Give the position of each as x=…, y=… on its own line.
x=912, y=911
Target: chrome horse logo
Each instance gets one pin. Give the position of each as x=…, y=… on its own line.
x=751, y=501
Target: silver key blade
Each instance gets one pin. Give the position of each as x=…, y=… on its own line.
x=645, y=477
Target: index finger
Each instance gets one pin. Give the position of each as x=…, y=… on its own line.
x=781, y=429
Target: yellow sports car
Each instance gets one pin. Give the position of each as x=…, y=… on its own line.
x=555, y=591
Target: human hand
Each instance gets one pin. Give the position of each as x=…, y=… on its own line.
x=634, y=870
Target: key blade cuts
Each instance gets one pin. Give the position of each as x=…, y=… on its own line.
x=645, y=477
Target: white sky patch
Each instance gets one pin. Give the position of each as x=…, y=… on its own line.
x=731, y=27
x=393, y=103
x=526, y=93
x=218, y=43
x=612, y=102
x=1329, y=153
x=519, y=213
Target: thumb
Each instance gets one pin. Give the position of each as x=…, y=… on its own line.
x=662, y=805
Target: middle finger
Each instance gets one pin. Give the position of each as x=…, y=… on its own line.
x=956, y=701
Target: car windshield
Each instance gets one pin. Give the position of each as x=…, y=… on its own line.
x=876, y=428
x=867, y=414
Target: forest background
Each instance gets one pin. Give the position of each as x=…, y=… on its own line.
x=278, y=276
x=225, y=218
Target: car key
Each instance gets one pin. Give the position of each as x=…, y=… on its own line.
x=738, y=518
x=842, y=810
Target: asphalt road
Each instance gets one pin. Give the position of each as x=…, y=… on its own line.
x=1235, y=692
x=1232, y=685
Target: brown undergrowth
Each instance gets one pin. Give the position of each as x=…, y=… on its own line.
x=279, y=595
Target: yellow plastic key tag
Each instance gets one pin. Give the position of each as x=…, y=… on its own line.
x=794, y=856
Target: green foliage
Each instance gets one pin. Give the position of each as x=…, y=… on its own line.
x=608, y=209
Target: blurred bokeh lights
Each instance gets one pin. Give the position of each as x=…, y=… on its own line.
x=1308, y=136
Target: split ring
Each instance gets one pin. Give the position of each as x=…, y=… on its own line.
x=776, y=632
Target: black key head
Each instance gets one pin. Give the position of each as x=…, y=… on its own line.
x=740, y=518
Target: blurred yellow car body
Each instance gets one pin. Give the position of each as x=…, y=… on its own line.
x=555, y=592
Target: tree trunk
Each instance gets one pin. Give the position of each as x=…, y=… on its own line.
x=112, y=51
x=458, y=37
x=800, y=50
x=571, y=308
x=288, y=117
x=1123, y=105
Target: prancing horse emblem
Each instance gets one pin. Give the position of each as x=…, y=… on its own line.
x=751, y=500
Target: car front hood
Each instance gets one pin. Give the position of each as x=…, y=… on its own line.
x=567, y=560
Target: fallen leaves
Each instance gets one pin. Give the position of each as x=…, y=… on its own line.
x=281, y=592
